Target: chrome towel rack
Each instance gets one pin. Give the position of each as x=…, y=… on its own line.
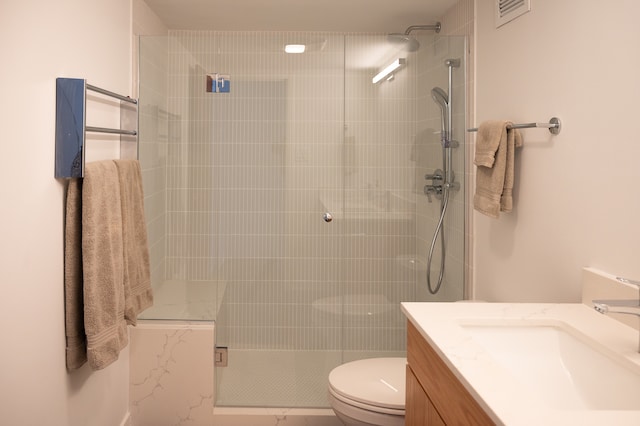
x=71, y=128
x=554, y=125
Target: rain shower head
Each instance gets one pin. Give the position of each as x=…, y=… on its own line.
x=408, y=43
x=404, y=42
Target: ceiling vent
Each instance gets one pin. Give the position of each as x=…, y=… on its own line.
x=508, y=10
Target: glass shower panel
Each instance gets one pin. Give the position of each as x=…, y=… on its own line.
x=182, y=263
x=434, y=51
x=152, y=143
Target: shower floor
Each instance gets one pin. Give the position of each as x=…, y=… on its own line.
x=271, y=378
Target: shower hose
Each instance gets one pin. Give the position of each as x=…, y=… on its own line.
x=438, y=232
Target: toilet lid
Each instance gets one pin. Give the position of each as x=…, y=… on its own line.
x=378, y=382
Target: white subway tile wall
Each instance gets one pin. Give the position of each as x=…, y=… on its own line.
x=252, y=171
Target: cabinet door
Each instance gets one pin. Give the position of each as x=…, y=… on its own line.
x=449, y=396
x=419, y=409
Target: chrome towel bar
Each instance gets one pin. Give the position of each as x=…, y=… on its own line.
x=111, y=94
x=554, y=125
x=107, y=130
x=71, y=128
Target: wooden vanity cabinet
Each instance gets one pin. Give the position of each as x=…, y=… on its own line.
x=419, y=409
x=435, y=396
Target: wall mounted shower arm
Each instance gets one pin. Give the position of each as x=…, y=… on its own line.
x=433, y=27
x=408, y=43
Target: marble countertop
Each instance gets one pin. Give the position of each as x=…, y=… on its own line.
x=505, y=398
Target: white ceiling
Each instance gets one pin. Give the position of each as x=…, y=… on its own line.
x=381, y=16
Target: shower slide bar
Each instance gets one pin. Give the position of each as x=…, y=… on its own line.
x=554, y=125
x=71, y=128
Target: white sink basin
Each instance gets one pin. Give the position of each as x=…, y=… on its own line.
x=532, y=364
x=568, y=370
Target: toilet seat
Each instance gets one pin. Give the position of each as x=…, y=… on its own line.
x=368, y=407
x=376, y=384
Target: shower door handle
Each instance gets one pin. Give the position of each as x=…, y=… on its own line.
x=327, y=217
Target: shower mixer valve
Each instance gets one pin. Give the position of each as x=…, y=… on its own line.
x=432, y=189
x=437, y=184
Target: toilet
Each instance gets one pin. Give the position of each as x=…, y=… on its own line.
x=369, y=392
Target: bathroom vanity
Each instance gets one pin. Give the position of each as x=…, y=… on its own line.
x=520, y=363
x=434, y=395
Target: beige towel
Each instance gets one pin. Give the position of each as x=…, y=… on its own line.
x=102, y=259
x=495, y=147
x=137, y=279
x=514, y=140
x=490, y=133
x=76, y=340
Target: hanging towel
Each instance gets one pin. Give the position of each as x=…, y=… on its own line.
x=495, y=146
x=102, y=262
x=76, y=340
x=514, y=140
x=490, y=133
x=137, y=279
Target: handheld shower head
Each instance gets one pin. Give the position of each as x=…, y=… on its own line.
x=442, y=99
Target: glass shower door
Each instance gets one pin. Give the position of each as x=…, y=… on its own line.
x=277, y=141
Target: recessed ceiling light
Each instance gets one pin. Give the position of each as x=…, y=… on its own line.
x=294, y=48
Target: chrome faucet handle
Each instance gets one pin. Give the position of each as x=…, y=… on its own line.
x=621, y=306
x=433, y=189
x=629, y=307
x=628, y=281
x=624, y=302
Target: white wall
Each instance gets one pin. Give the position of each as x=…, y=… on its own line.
x=40, y=41
x=576, y=197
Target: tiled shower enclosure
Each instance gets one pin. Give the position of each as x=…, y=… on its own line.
x=289, y=208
